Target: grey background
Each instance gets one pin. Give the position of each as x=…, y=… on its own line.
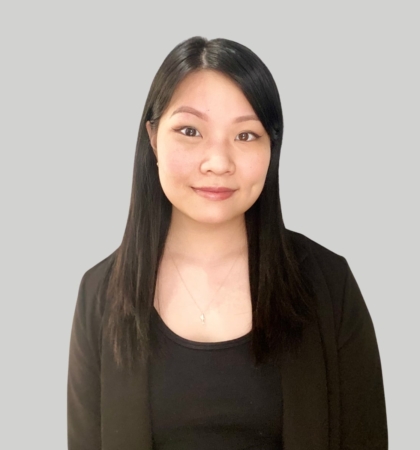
x=74, y=79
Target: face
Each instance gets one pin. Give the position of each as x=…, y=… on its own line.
x=210, y=136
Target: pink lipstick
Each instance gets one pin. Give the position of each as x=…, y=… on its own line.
x=214, y=193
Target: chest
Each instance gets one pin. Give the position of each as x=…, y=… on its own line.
x=226, y=402
x=226, y=308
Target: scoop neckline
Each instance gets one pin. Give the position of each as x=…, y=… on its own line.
x=197, y=344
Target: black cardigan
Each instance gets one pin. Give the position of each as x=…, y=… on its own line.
x=333, y=394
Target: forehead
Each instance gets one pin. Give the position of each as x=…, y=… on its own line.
x=211, y=92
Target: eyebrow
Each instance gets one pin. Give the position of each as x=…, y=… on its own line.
x=203, y=116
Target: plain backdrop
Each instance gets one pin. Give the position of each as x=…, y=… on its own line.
x=74, y=79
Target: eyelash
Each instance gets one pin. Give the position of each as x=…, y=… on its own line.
x=243, y=132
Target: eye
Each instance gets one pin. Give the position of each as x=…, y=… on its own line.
x=245, y=136
x=190, y=131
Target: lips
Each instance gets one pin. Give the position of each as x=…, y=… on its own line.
x=214, y=189
x=214, y=193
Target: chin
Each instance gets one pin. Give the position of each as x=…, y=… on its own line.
x=215, y=219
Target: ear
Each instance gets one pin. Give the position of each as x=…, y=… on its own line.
x=152, y=137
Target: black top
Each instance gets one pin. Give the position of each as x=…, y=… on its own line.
x=208, y=395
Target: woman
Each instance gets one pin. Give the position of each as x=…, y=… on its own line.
x=212, y=325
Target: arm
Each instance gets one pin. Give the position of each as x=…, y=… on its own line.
x=84, y=389
x=363, y=412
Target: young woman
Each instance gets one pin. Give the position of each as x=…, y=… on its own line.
x=212, y=325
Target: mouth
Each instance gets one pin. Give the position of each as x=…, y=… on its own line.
x=212, y=193
x=214, y=189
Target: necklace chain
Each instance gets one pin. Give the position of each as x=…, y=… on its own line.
x=202, y=316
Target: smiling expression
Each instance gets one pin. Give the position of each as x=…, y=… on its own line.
x=210, y=136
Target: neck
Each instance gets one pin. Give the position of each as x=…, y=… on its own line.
x=204, y=243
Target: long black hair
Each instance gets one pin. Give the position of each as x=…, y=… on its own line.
x=282, y=298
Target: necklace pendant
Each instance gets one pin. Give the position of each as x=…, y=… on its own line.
x=202, y=318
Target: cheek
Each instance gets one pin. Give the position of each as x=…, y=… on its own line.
x=177, y=165
x=256, y=168
x=176, y=162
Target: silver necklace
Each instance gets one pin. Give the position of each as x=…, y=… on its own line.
x=202, y=316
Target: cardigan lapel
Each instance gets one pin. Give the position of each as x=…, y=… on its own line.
x=125, y=410
x=306, y=379
x=310, y=379
x=304, y=387
x=305, y=407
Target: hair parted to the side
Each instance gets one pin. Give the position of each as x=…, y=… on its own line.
x=282, y=298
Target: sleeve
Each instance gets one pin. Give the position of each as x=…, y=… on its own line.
x=83, y=388
x=363, y=412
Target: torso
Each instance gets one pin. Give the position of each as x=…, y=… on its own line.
x=228, y=313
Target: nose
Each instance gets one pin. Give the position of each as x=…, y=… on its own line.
x=218, y=158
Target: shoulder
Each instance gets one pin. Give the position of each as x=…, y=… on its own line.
x=330, y=275
x=94, y=277
x=336, y=286
x=329, y=262
x=90, y=301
